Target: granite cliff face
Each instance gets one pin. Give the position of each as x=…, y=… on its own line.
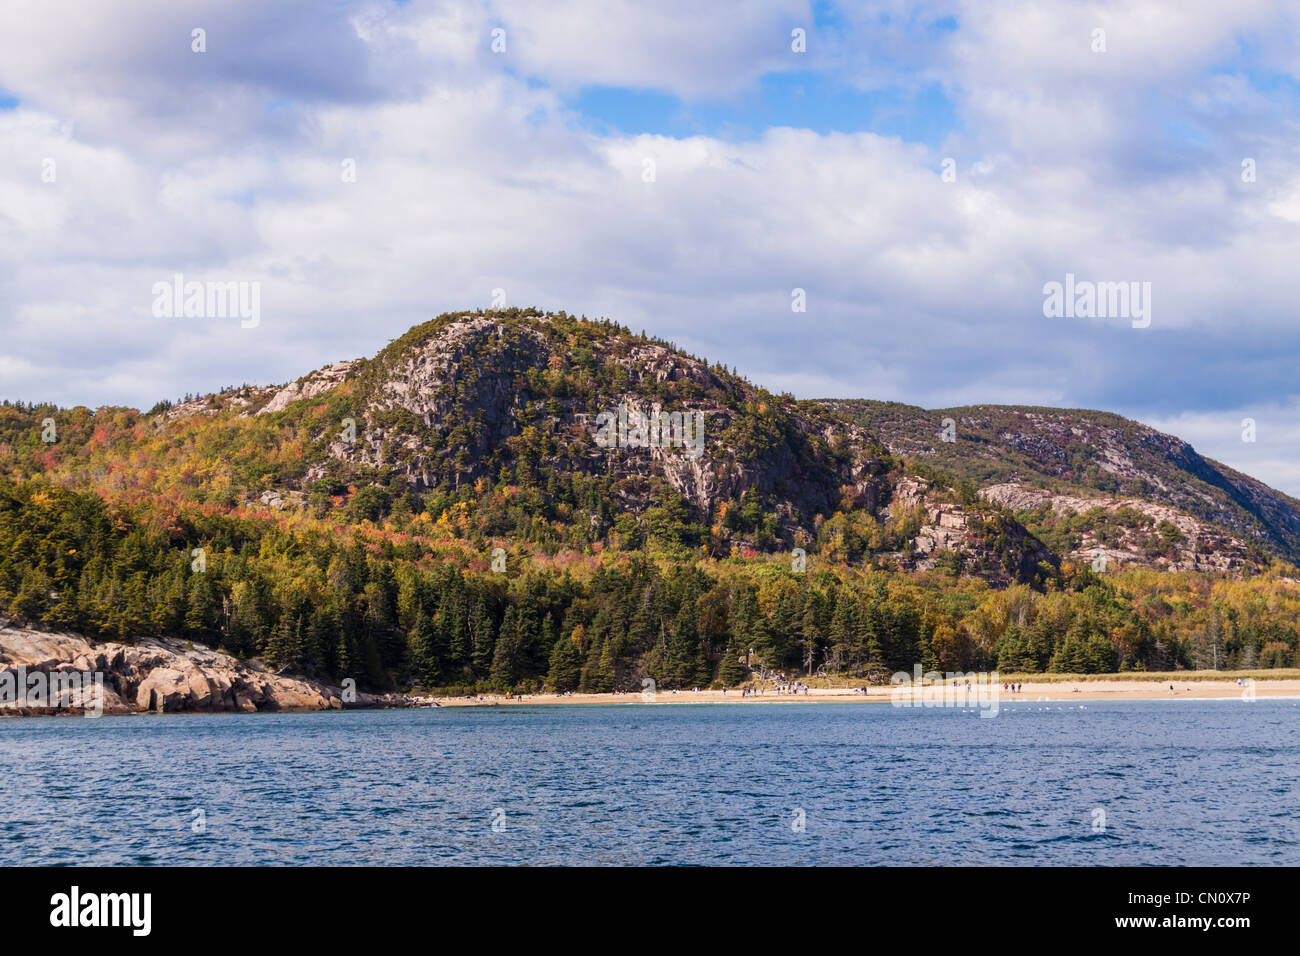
x=476, y=396
x=492, y=422
x=463, y=397
x=158, y=676
x=972, y=537
x=1082, y=453
x=1132, y=531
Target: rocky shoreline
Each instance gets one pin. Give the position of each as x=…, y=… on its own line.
x=155, y=676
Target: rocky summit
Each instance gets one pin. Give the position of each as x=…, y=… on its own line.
x=506, y=499
x=489, y=400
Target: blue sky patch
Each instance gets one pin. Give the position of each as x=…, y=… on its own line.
x=801, y=100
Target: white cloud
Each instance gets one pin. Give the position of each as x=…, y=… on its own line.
x=1274, y=455
x=471, y=178
x=695, y=50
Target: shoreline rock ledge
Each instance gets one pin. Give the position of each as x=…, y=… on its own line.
x=164, y=676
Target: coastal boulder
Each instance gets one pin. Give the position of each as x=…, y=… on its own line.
x=163, y=691
x=159, y=676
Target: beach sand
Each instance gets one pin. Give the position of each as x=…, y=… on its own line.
x=1058, y=691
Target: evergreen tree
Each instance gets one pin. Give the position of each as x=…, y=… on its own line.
x=871, y=628
x=730, y=669
x=1014, y=654
x=841, y=634
x=810, y=627
x=201, y=613
x=565, y=669
x=683, y=663
x=287, y=643
x=507, y=658
x=925, y=650
x=322, y=636
x=483, y=637
x=598, y=672
x=423, y=648
x=1068, y=658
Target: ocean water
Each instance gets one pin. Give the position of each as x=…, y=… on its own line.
x=1113, y=783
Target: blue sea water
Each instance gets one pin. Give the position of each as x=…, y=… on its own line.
x=1178, y=782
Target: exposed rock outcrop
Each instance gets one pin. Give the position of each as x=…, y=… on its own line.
x=987, y=544
x=512, y=399
x=159, y=676
x=1146, y=533
x=1077, y=451
x=477, y=390
x=309, y=386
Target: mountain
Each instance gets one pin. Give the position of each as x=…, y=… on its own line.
x=514, y=400
x=500, y=499
x=1096, y=455
x=466, y=398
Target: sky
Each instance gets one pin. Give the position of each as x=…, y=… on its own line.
x=915, y=174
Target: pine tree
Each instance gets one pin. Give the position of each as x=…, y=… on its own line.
x=565, y=665
x=682, y=663
x=64, y=614
x=423, y=648
x=201, y=614
x=247, y=627
x=322, y=629
x=1014, y=655
x=925, y=650
x=871, y=627
x=809, y=629
x=1098, y=655
x=287, y=643
x=730, y=669
x=345, y=657
x=507, y=658
x=483, y=635
x=1068, y=658
x=608, y=665
x=381, y=623
x=598, y=673
x=169, y=616
x=455, y=625
x=841, y=634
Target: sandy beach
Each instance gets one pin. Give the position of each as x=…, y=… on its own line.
x=1058, y=691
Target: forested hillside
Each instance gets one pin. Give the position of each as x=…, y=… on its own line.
x=446, y=515
x=1082, y=451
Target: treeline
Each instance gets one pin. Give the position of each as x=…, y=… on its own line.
x=336, y=604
